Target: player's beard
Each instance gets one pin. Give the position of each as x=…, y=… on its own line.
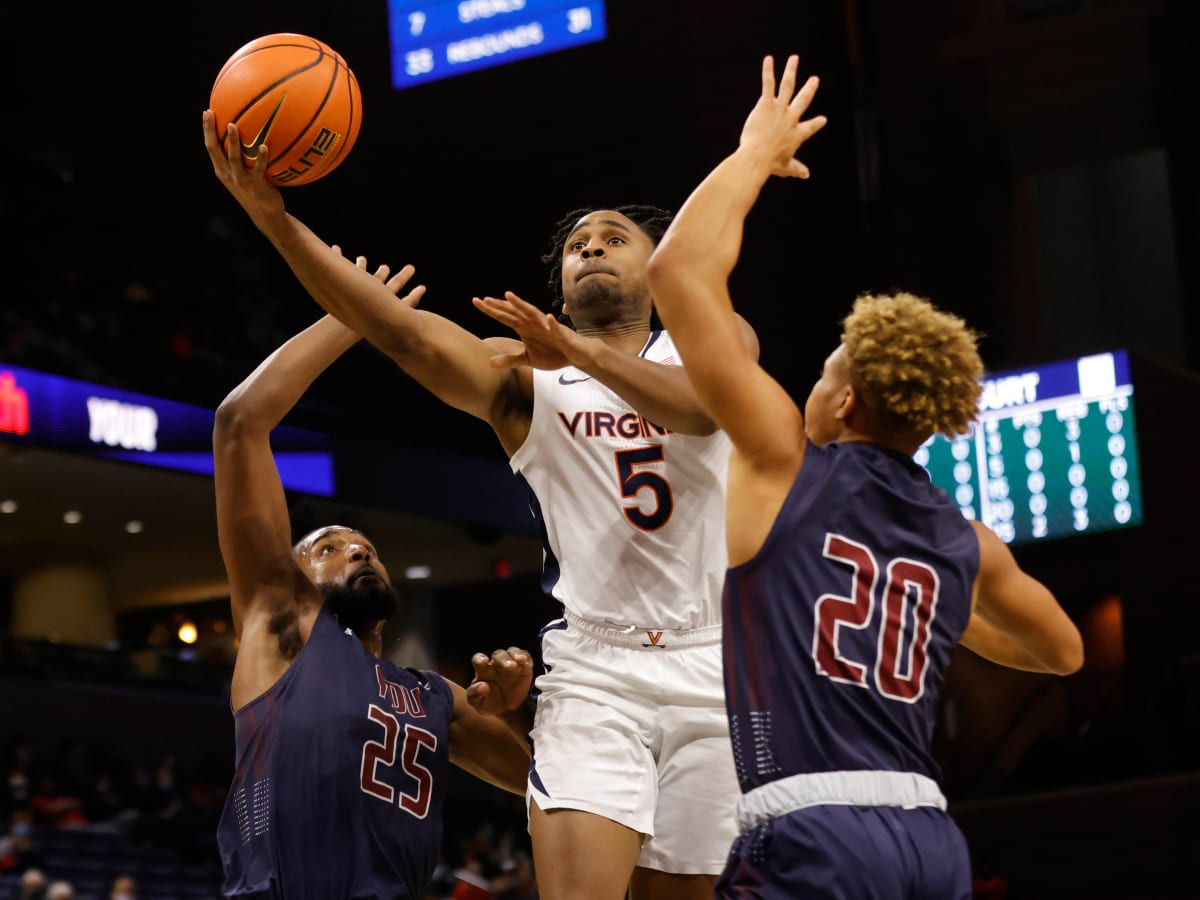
x=600, y=302
x=360, y=607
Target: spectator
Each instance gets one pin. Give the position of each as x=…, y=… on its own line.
x=471, y=882
x=18, y=764
x=18, y=852
x=55, y=807
x=123, y=888
x=60, y=890
x=33, y=885
x=17, y=796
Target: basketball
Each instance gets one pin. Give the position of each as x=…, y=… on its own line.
x=297, y=96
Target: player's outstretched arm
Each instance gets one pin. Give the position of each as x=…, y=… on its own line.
x=1016, y=621
x=489, y=734
x=445, y=358
x=267, y=588
x=661, y=393
x=690, y=269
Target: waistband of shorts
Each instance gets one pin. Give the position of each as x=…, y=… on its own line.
x=644, y=637
x=864, y=788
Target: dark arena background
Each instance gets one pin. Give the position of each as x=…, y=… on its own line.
x=1023, y=163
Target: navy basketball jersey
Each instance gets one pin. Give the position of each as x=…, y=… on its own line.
x=341, y=777
x=839, y=630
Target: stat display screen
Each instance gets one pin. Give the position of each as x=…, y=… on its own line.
x=1053, y=454
x=430, y=41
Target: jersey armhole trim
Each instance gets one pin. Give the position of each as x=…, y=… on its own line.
x=277, y=686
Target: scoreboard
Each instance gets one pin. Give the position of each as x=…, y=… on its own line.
x=434, y=40
x=1053, y=453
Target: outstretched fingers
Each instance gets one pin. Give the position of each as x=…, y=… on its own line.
x=525, y=308
x=381, y=272
x=809, y=127
x=400, y=278
x=496, y=309
x=804, y=96
x=412, y=298
x=520, y=316
x=768, y=77
x=787, y=84
x=394, y=283
x=397, y=282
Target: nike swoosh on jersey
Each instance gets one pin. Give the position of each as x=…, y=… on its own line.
x=563, y=379
x=250, y=151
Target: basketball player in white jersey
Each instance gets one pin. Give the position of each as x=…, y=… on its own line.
x=632, y=784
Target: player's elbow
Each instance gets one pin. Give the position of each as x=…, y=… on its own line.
x=1067, y=658
x=230, y=417
x=671, y=260
x=670, y=285
x=236, y=417
x=666, y=268
x=659, y=265
x=1058, y=648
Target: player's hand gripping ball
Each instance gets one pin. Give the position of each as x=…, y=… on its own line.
x=297, y=96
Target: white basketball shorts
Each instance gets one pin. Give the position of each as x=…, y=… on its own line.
x=631, y=725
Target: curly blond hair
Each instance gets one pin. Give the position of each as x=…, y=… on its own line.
x=918, y=365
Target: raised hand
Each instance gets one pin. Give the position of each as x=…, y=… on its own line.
x=548, y=343
x=395, y=282
x=776, y=127
x=501, y=681
x=248, y=184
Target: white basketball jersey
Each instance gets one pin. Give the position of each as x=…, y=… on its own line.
x=633, y=514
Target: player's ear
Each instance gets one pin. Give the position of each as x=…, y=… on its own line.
x=848, y=404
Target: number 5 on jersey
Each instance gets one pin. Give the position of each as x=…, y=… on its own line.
x=632, y=481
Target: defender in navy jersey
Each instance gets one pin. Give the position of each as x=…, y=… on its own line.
x=633, y=787
x=851, y=577
x=341, y=755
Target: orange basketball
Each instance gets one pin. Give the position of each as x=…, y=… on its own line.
x=297, y=96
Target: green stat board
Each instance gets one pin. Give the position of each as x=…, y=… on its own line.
x=1054, y=452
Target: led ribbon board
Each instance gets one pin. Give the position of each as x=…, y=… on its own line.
x=75, y=416
x=1054, y=452
x=430, y=41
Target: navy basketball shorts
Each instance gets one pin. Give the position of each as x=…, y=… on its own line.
x=850, y=853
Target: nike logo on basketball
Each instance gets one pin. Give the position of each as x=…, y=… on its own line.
x=250, y=151
x=563, y=379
